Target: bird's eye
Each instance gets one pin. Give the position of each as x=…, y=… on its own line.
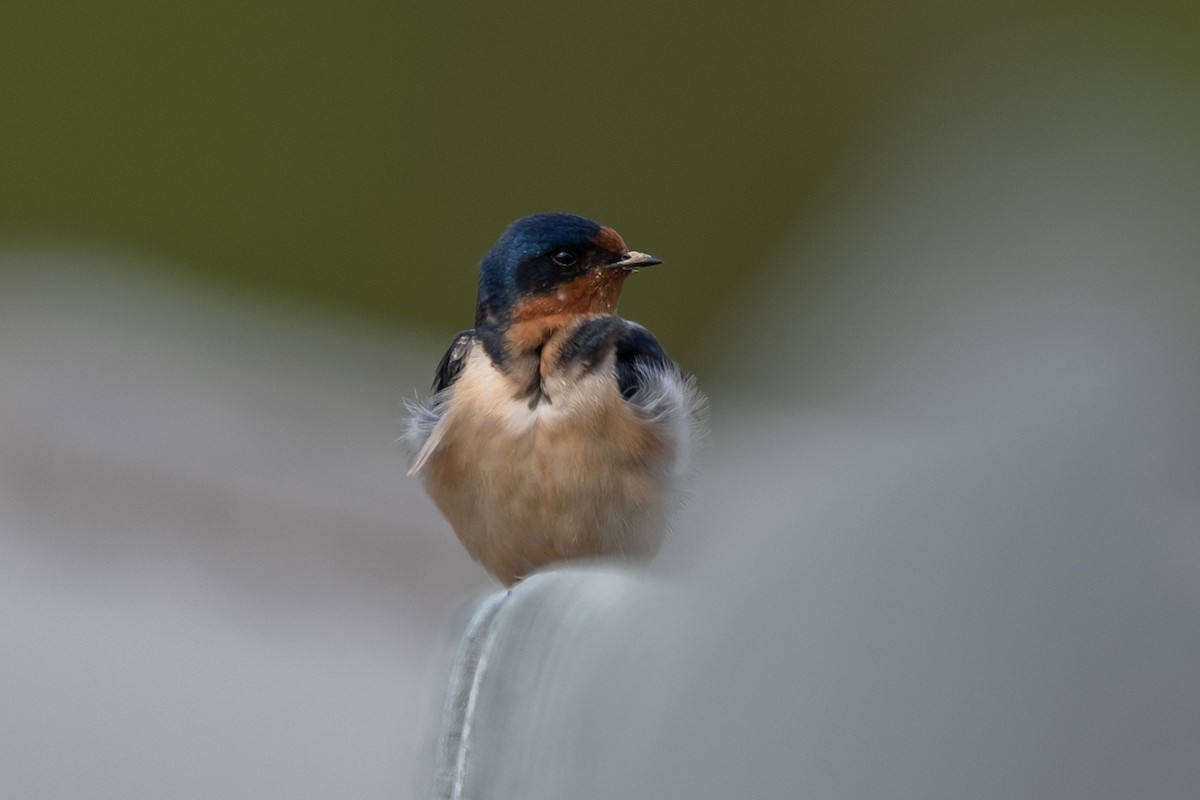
x=564, y=258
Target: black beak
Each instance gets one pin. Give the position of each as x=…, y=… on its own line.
x=634, y=260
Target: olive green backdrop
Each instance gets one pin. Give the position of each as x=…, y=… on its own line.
x=366, y=154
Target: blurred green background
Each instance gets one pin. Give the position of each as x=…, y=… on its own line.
x=367, y=154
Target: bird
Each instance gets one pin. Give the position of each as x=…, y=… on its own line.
x=556, y=429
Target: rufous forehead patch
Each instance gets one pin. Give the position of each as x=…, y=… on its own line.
x=610, y=240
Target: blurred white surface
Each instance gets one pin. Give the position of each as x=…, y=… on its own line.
x=215, y=580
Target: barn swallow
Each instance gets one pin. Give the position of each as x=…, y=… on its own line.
x=556, y=429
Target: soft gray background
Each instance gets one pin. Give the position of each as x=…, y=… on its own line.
x=215, y=580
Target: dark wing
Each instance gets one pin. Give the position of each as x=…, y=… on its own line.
x=452, y=363
x=591, y=343
x=637, y=351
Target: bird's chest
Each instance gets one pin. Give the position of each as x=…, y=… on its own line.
x=573, y=449
x=547, y=423
x=546, y=460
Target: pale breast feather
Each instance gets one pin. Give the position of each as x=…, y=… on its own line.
x=424, y=430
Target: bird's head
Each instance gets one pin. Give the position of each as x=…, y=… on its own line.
x=553, y=264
